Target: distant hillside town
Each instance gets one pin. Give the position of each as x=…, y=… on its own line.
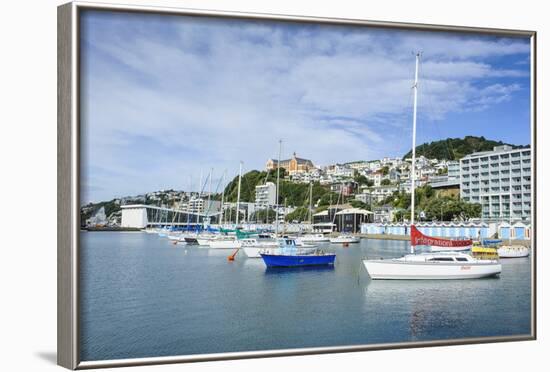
x=492, y=184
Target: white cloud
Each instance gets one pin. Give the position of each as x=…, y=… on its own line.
x=216, y=94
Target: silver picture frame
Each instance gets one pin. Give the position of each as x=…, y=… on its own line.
x=68, y=181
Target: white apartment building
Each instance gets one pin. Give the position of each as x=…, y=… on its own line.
x=195, y=205
x=265, y=195
x=491, y=178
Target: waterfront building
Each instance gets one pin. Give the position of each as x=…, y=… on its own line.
x=265, y=195
x=141, y=215
x=328, y=215
x=292, y=165
x=322, y=223
x=350, y=220
x=472, y=230
x=491, y=178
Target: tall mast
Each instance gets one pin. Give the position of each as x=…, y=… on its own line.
x=413, y=167
x=189, y=200
x=210, y=190
x=238, y=193
x=197, y=203
x=310, y=205
x=220, y=222
x=277, y=190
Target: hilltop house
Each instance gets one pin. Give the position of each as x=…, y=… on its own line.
x=292, y=165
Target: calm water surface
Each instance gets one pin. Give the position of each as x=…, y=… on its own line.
x=142, y=296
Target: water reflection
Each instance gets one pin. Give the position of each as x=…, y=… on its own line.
x=435, y=309
x=142, y=296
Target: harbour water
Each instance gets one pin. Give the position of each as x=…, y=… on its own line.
x=142, y=296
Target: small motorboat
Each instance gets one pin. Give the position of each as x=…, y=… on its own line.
x=345, y=239
x=512, y=251
x=298, y=259
x=289, y=255
x=314, y=238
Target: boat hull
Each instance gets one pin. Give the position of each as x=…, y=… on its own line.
x=224, y=244
x=254, y=252
x=344, y=240
x=190, y=240
x=512, y=252
x=393, y=269
x=298, y=260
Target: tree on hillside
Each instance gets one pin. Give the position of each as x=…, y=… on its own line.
x=456, y=148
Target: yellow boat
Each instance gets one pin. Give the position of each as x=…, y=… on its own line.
x=484, y=251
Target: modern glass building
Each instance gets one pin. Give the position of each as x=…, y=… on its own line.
x=499, y=180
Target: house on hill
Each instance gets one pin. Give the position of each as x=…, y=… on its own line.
x=292, y=165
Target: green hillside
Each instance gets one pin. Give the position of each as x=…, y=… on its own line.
x=456, y=148
x=295, y=194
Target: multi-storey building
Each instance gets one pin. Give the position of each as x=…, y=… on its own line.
x=265, y=195
x=195, y=205
x=499, y=180
x=200, y=205
x=292, y=165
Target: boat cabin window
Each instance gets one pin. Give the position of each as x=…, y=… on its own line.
x=441, y=259
x=461, y=259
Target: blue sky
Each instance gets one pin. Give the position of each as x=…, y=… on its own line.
x=166, y=97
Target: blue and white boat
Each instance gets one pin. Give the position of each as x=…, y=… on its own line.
x=289, y=255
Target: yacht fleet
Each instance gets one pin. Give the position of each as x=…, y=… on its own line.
x=447, y=258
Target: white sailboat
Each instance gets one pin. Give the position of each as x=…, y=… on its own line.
x=443, y=265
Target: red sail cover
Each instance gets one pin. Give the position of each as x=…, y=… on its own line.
x=417, y=238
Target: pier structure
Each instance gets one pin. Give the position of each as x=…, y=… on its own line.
x=141, y=216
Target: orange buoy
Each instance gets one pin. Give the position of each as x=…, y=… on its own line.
x=232, y=257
